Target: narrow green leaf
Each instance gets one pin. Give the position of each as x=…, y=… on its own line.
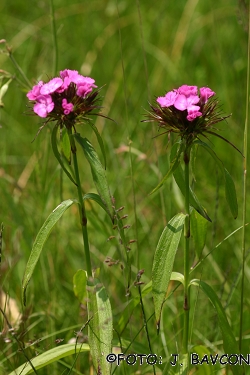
x=100, y=141
x=229, y=342
x=177, y=276
x=40, y=241
x=194, y=202
x=180, y=180
x=132, y=303
x=97, y=199
x=164, y=260
x=128, y=310
x=57, y=154
x=80, y=285
x=230, y=191
x=100, y=325
x=65, y=145
x=193, y=155
x=98, y=173
x=175, y=161
x=50, y=356
x=198, y=232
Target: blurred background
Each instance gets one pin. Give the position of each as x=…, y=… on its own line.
x=137, y=50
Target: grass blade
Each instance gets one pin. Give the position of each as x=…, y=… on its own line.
x=98, y=173
x=164, y=260
x=173, y=165
x=50, y=356
x=229, y=342
x=40, y=240
x=230, y=191
x=57, y=154
x=100, y=325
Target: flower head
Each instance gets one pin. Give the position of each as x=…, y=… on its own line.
x=188, y=111
x=65, y=99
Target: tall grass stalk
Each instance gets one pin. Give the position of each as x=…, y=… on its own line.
x=81, y=206
x=186, y=304
x=244, y=189
x=55, y=46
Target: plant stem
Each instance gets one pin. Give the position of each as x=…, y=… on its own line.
x=186, y=304
x=81, y=205
x=55, y=47
x=244, y=192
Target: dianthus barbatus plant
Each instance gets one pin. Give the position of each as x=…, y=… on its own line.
x=189, y=113
x=66, y=101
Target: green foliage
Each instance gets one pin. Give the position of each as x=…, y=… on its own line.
x=79, y=285
x=100, y=325
x=40, y=240
x=198, y=231
x=164, y=260
x=98, y=173
x=138, y=50
x=65, y=150
x=230, y=192
x=229, y=341
x=49, y=357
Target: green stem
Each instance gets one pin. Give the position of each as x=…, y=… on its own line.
x=186, y=304
x=53, y=27
x=244, y=192
x=18, y=68
x=81, y=205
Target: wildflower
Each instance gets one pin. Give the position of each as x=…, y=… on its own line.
x=65, y=99
x=187, y=111
x=44, y=105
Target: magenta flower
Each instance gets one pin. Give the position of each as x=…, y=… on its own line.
x=52, y=86
x=205, y=94
x=188, y=111
x=44, y=105
x=35, y=92
x=68, y=107
x=188, y=90
x=183, y=102
x=185, y=98
x=168, y=99
x=65, y=99
x=84, y=84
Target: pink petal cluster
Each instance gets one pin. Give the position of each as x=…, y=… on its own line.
x=187, y=98
x=44, y=93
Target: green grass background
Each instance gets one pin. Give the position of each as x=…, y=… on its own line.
x=138, y=50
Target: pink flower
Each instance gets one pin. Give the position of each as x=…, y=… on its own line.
x=186, y=111
x=168, y=99
x=44, y=105
x=188, y=90
x=183, y=102
x=193, y=113
x=68, y=76
x=35, y=92
x=84, y=84
x=68, y=107
x=70, y=94
x=53, y=85
x=84, y=87
x=205, y=94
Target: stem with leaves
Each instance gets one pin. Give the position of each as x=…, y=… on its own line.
x=81, y=205
x=186, y=305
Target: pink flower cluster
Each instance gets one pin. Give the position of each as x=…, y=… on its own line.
x=187, y=98
x=43, y=93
